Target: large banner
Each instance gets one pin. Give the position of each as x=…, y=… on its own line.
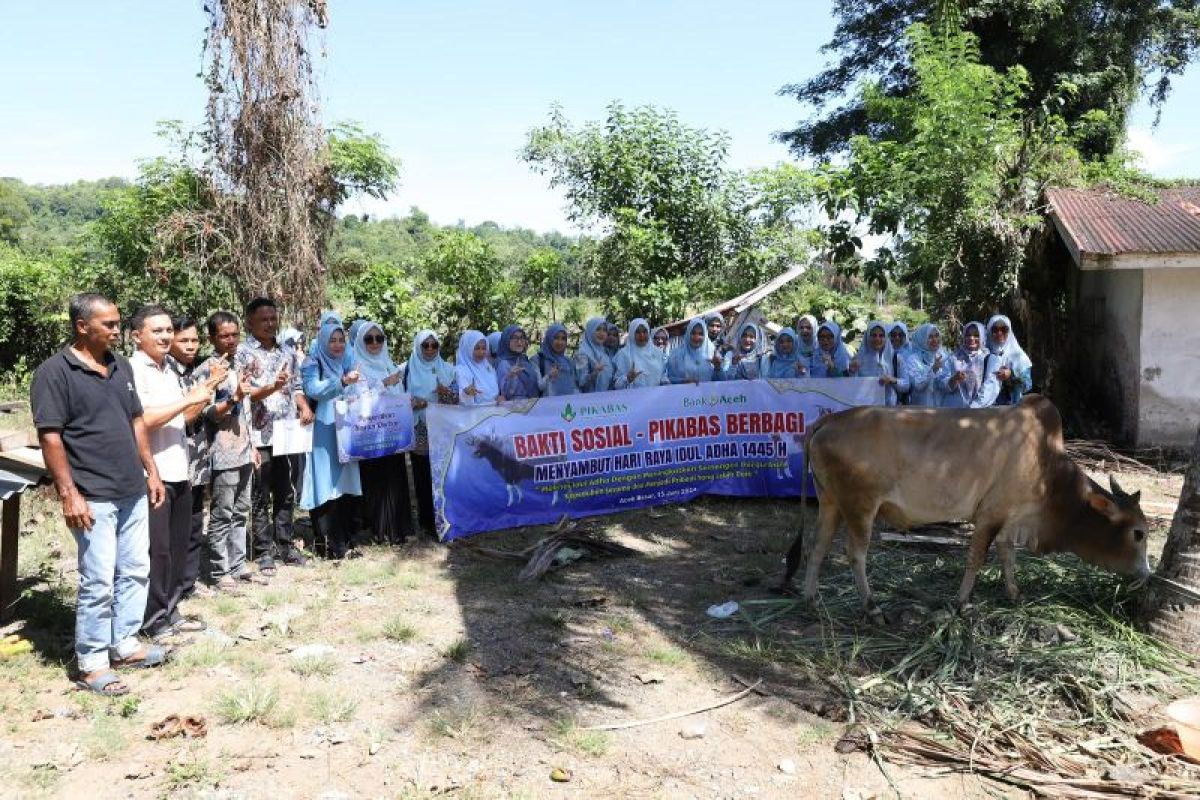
x=529, y=462
x=372, y=424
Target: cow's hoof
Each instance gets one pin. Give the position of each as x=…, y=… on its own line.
x=875, y=614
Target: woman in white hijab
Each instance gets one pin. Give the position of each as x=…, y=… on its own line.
x=476, y=376
x=973, y=382
x=386, y=504
x=1015, y=371
x=874, y=360
x=928, y=367
x=639, y=363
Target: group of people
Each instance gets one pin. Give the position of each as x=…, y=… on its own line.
x=172, y=485
x=988, y=367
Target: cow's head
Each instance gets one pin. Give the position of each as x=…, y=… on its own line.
x=480, y=445
x=1119, y=531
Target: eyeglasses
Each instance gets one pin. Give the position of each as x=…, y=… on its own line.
x=372, y=339
x=517, y=337
x=429, y=345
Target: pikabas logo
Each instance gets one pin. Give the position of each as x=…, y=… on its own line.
x=568, y=413
x=590, y=411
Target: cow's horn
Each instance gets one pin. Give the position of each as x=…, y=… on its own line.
x=1116, y=487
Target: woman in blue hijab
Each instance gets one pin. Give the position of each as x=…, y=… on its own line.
x=692, y=361
x=639, y=363
x=831, y=359
x=593, y=366
x=901, y=350
x=875, y=359
x=973, y=382
x=748, y=344
x=1015, y=371
x=557, y=370
x=928, y=367
x=428, y=379
x=386, y=504
x=517, y=376
x=785, y=362
x=329, y=484
x=474, y=371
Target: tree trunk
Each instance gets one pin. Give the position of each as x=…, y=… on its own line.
x=1166, y=614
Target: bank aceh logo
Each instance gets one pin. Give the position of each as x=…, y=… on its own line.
x=715, y=400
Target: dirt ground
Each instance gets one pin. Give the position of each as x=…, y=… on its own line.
x=430, y=671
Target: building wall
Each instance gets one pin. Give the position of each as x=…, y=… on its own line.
x=1108, y=321
x=1169, y=369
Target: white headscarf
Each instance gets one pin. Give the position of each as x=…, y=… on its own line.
x=1011, y=355
x=480, y=374
x=424, y=375
x=646, y=359
x=373, y=367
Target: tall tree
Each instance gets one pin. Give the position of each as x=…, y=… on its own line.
x=1163, y=610
x=1101, y=51
x=679, y=225
x=265, y=142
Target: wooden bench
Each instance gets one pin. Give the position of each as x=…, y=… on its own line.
x=21, y=468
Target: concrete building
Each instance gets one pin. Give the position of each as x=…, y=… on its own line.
x=1135, y=288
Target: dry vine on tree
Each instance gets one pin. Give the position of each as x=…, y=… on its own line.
x=266, y=145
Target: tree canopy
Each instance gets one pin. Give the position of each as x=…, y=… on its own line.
x=1090, y=57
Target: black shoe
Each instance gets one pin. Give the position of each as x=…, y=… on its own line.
x=295, y=559
x=266, y=566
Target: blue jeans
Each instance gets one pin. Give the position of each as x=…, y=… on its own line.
x=114, y=571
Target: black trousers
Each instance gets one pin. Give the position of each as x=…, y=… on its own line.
x=196, y=545
x=422, y=474
x=332, y=523
x=170, y=534
x=385, y=501
x=273, y=505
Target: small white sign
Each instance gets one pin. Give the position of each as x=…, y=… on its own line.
x=290, y=437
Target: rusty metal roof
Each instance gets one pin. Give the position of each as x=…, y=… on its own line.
x=1101, y=222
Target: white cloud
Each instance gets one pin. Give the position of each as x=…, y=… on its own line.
x=1162, y=157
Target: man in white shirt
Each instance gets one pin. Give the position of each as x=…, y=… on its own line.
x=165, y=411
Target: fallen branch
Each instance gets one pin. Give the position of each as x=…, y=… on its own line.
x=618, y=726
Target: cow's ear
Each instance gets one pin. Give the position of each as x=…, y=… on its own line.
x=1102, y=504
x=1135, y=497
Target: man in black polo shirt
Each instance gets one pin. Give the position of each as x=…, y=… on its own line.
x=89, y=423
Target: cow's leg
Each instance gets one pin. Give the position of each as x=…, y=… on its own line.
x=1008, y=563
x=976, y=556
x=827, y=521
x=508, y=488
x=858, y=540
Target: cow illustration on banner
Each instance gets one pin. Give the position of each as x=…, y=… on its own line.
x=529, y=462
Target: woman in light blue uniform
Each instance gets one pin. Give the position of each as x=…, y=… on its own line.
x=972, y=382
x=428, y=379
x=806, y=337
x=557, y=370
x=1015, y=369
x=785, y=362
x=745, y=361
x=639, y=364
x=830, y=359
x=874, y=360
x=593, y=367
x=901, y=350
x=928, y=367
x=517, y=376
x=691, y=361
x=328, y=483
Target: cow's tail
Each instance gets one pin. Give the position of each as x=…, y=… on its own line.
x=796, y=551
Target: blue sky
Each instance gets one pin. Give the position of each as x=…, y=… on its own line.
x=451, y=86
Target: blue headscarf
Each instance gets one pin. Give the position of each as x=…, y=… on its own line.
x=840, y=355
x=594, y=354
x=470, y=372
x=969, y=362
x=514, y=383
x=905, y=348
x=565, y=382
x=921, y=349
x=331, y=366
x=874, y=363
x=493, y=340
x=710, y=345
x=690, y=363
x=373, y=367
x=783, y=365
x=328, y=318
x=422, y=375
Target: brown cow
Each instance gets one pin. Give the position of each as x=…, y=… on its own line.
x=1005, y=469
